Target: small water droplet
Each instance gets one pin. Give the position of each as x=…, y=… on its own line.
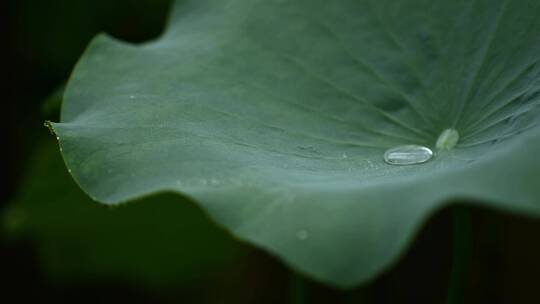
x=407, y=155
x=344, y=155
x=131, y=96
x=302, y=235
x=57, y=138
x=447, y=140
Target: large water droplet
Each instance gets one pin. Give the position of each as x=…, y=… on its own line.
x=407, y=155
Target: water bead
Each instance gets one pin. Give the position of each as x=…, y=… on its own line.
x=407, y=155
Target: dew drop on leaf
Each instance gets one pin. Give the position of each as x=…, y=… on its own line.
x=407, y=155
x=302, y=235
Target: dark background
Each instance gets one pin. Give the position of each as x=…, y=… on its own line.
x=42, y=42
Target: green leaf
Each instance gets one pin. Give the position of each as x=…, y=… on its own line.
x=274, y=116
x=160, y=241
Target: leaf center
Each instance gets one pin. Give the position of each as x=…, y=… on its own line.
x=447, y=140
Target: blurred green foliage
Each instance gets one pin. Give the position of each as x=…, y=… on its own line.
x=160, y=241
x=53, y=33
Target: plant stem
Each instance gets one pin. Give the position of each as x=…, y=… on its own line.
x=460, y=254
x=297, y=289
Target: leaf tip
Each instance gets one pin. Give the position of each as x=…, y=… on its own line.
x=49, y=126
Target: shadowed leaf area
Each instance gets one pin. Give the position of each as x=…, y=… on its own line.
x=274, y=116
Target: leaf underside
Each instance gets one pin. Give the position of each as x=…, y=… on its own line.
x=274, y=116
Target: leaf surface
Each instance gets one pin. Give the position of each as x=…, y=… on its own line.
x=274, y=116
